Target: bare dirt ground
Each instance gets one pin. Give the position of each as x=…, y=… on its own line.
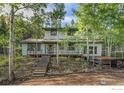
x=115, y=77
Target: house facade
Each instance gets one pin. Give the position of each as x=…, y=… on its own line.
x=61, y=43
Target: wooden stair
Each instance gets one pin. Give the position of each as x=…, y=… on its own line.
x=41, y=67
x=39, y=71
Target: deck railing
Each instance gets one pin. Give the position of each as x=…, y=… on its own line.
x=54, y=52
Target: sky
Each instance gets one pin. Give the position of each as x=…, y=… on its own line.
x=68, y=8
x=69, y=13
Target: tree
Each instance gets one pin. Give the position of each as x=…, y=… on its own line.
x=100, y=20
x=88, y=23
x=57, y=16
x=37, y=27
x=36, y=8
x=111, y=15
x=4, y=30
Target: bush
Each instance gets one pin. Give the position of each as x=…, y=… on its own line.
x=18, y=59
x=3, y=60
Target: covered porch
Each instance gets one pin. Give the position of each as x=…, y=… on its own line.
x=49, y=47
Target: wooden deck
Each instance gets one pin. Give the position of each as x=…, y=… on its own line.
x=106, y=60
x=53, y=55
x=65, y=53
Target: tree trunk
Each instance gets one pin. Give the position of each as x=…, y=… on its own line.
x=109, y=54
x=4, y=47
x=4, y=52
x=58, y=26
x=93, y=48
x=57, y=52
x=11, y=45
x=87, y=49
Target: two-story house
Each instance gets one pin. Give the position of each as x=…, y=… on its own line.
x=53, y=43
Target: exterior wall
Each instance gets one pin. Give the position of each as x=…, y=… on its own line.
x=24, y=49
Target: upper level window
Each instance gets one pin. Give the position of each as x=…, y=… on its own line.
x=53, y=33
x=34, y=47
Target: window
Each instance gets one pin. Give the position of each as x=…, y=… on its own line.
x=34, y=47
x=38, y=46
x=85, y=49
x=91, y=49
x=53, y=33
x=31, y=47
x=95, y=49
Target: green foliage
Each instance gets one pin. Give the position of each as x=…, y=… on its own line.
x=4, y=31
x=105, y=21
x=3, y=60
x=58, y=11
x=58, y=14
x=17, y=59
x=23, y=27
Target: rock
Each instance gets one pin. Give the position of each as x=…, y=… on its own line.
x=103, y=82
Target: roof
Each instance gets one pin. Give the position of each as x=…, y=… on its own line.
x=55, y=29
x=31, y=40
x=40, y=40
x=53, y=40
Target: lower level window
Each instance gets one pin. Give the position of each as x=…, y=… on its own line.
x=34, y=47
x=90, y=49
